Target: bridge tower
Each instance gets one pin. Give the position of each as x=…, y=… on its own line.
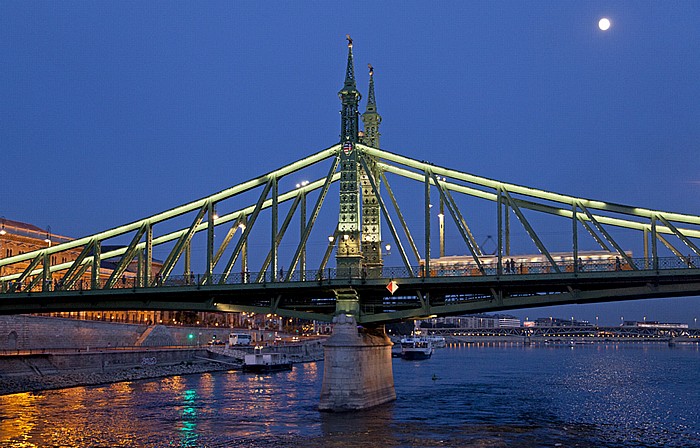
x=357, y=372
x=371, y=217
x=349, y=254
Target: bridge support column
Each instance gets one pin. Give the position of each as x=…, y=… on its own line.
x=357, y=371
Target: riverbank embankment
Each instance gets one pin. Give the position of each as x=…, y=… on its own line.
x=43, y=371
x=37, y=371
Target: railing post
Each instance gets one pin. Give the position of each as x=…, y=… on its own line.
x=646, y=248
x=274, y=230
x=427, y=223
x=574, y=230
x=210, y=244
x=654, y=253
x=302, y=221
x=499, y=249
x=96, y=257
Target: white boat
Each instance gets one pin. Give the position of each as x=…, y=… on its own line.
x=260, y=362
x=416, y=348
x=438, y=341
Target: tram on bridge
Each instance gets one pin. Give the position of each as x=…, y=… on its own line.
x=588, y=261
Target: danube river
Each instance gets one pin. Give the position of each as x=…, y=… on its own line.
x=615, y=395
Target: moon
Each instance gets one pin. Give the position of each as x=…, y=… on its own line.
x=604, y=24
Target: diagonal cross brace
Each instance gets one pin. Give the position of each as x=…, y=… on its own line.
x=424, y=301
x=595, y=236
x=670, y=247
x=182, y=242
x=68, y=278
x=327, y=255
x=227, y=239
x=445, y=193
x=401, y=218
x=461, y=224
x=35, y=262
x=387, y=217
x=126, y=258
x=529, y=229
x=246, y=232
x=78, y=276
x=312, y=219
x=35, y=281
x=280, y=235
x=609, y=238
x=682, y=237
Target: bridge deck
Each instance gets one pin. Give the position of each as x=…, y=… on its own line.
x=449, y=293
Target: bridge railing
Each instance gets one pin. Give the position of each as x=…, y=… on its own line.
x=130, y=281
x=538, y=267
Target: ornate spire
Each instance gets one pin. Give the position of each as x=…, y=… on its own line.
x=349, y=252
x=350, y=70
x=350, y=98
x=371, y=118
x=371, y=100
x=371, y=215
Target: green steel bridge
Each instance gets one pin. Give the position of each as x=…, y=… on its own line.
x=236, y=250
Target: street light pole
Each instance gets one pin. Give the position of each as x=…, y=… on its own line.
x=441, y=217
x=48, y=236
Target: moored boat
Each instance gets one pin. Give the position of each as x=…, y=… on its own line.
x=438, y=341
x=416, y=348
x=259, y=362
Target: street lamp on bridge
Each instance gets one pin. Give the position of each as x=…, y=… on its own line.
x=388, y=250
x=48, y=236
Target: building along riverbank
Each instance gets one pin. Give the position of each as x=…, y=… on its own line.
x=31, y=372
x=40, y=353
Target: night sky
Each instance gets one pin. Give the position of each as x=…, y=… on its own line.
x=113, y=111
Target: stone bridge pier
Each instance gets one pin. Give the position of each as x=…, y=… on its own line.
x=357, y=372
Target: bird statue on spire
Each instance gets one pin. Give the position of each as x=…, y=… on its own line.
x=347, y=36
x=371, y=69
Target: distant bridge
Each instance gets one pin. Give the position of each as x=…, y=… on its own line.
x=567, y=334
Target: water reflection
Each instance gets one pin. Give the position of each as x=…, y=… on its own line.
x=600, y=395
x=18, y=416
x=188, y=429
x=341, y=429
x=206, y=386
x=621, y=385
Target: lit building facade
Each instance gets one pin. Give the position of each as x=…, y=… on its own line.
x=17, y=238
x=475, y=321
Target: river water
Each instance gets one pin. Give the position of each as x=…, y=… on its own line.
x=602, y=395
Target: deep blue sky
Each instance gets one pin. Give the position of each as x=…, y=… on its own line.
x=113, y=111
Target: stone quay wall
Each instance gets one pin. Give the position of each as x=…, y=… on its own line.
x=36, y=372
x=41, y=353
x=27, y=332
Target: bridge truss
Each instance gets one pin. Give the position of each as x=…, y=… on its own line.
x=230, y=249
